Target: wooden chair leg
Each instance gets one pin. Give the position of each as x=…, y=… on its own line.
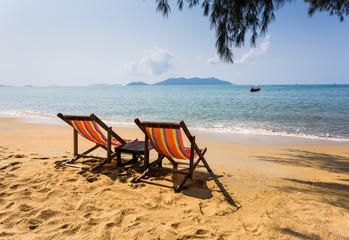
x=109, y=145
x=160, y=162
x=75, y=137
x=191, y=163
x=174, y=163
x=148, y=169
x=77, y=155
x=204, y=160
x=191, y=171
x=99, y=165
x=179, y=187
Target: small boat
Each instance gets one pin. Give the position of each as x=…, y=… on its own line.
x=255, y=89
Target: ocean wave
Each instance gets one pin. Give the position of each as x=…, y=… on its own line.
x=26, y=114
x=215, y=129
x=40, y=115
x=221, y=129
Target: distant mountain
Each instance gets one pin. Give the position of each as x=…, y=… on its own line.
x=4, y=86
x=193, y=81
x=137, y=84
x=28, y=86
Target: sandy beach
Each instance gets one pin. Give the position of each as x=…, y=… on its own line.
x=266, y=191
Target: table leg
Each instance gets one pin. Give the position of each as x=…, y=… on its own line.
x=134, y=157
x=118, y=158
x=146, y=153
x=146, y=159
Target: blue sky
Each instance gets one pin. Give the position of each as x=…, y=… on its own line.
x=82, y=42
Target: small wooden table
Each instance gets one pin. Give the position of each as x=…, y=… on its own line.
x=135, y=148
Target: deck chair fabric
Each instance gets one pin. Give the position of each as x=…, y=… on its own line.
x=89, y=127
x=166, y=139
x=169, y=142
x=91, y=131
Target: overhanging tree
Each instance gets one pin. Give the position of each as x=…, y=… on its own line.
x=232, y=19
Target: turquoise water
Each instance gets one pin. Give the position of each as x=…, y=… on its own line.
x=306, y=111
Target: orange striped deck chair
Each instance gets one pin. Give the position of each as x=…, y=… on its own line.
x=166, y=139
x=89, y=127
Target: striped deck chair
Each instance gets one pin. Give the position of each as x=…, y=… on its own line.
x=166, y=139
x=89, y=128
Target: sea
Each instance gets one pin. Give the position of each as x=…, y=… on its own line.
x=319, y=112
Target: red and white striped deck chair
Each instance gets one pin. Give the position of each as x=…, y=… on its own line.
x=89, y=128
x=166, y=139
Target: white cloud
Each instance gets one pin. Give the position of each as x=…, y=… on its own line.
x=133, y=67
x=213, y=60
x=252, y=54
x=255, y=52
x=155, y=61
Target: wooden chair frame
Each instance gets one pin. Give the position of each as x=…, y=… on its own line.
x=110, y=134
x=157, y=164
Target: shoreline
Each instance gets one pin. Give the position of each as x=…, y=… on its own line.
x=225, y=149
x=241, y=138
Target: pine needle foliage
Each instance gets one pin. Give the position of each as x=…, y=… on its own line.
x=233, y=19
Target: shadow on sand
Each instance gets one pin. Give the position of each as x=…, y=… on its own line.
x=290, y=232
x=323, y=161
x=196, y=188
x=335, y=194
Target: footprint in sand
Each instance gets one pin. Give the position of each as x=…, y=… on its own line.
x=17, y=156
x=120, y=216
x=14, y=163
x=6, y=234
x=72, y=230
x=10, y=175
x=25, y=208
x=11, y=165
x=9, y=205
x=109, y=225
x=137, y=185
x=47, y=214
x=33, y=224
x=201, y=232
x=210, y=208
x=270, y=213
x=72, y=180
x=15, y=186
x=91, y=179
x=58, y=164
x=253, y=228
x=25, y=192
x=64, y=226
x=14, y=169
x=40, y=158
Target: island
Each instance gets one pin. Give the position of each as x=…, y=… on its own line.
x=193, y=81
x=137, y=84
x=185, y=81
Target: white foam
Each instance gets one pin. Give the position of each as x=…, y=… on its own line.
x=220, y=129
x=39, y=117
x=25, y=114
x=36, y=116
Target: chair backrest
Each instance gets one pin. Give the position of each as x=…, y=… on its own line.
x=166, y=138
x=88, y=128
